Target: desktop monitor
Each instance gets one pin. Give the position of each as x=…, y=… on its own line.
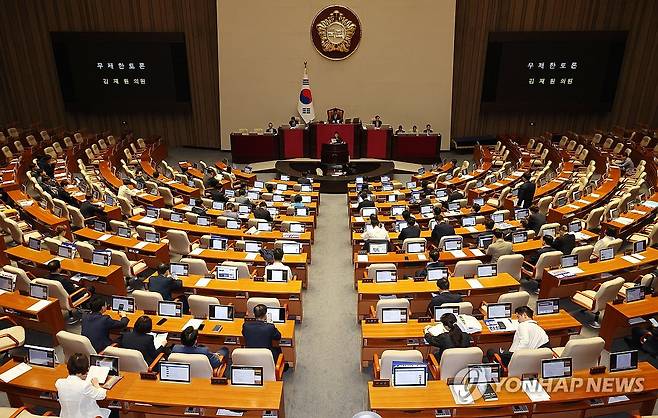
x=276, y=315
x=397, y=210
x=109, y=200
x=498, y=217
x=253, y=195
x=437, y=273
x=358, y=180
x=152, y=237
x=441, y=193
x=499, y=310
x=614, y=213
x=221, y=312
x=549, y=231
x=217, y=243
x=110, y=362
x=39, y=291
x=152, y=213
x=7, y=281
x=278, y=198
x=468, y=221
x=484, y=241
x=218, y=205
x=301, y=211
x=439, y=311
x=34, y=244
x=368, y=211
x=519, y=237
x=100, y=226
x=246, y=375
x=576, y=195
x=639, y=246
x=635, y=293
x=623, y=360
x=479, y=201
x=176, y=217
x=421, y=171
x=410, y=375
x=452, y=245
x=416, y=247
x=124, y=232
x=174, y=372
x=179, y=269
x=556, y=368
x=276, y=275
x=394, y=315
x=40, y=356
x=243, y=209
x=567, y=261
x=258, y=184
x=57, y=211
x=575, y=226
x=232, y=224
x=123, y=304
x=400, y=225
x=284, y=177
x=306, y=188
x=192, y=202
x=282, y=186
x=411, y=185
x=203, y=221
x=521, y=214
x=385, y=276
x=274, y=212
x=264, y=226
x=226, y=272
x=306, y=198
x=190, y=183
x=252, y=246
x=167, y=308
x=415, y=196
x=561, y=201
x=291, y=248
x=392, y=197
x=65, y=251
x=426, y=209
x=296, y=227
x=547, y=306
x=377, y=247
x=454, y=206
x=385, y=179
x=606, y=254
x=101, y=258
x=487, y=270
x=483, y=373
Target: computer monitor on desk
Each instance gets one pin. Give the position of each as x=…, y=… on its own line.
x=623, y=360
x=416, y=247
x=174, y=372
x=246, y=375
x=441, y=193
x=179, y=269
x=172, y=309
x=39, y=291
x=34, y=244
x=437, y=273
x=217, y=243
x=276, y=315
x=377, y=247
x=221, y=312
x=484, y=241
x=397, y=210
x=394, y=315
x=232, y=224
x=291, y=248
x=468, y=221
x=521, y=214
x=277, y=276
x=176, y=217
x=498, y=217
x=100, y=226
x=575, y=226
x=519, y=237
x=606, y=254
x=123, y=304
x=296, y=227
x=65, y=251
x=40, y=356
x=368, y=211
x=385, y=276
x=452, y=244
x=567, y=261
x=124, y=232
x=7, y=281
x=101, y=258
x=499, y=310
x=439, y=311
x=252, y=246
x=639, y=246
x=634, y=294
x=410, y=375
x=400, y=225
x=557, y=368
x=547, y=306
x=111, y=362
x=487, y=270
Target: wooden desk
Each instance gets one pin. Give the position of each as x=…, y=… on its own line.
x=495, y=188
x=114, y=182
x=391, y=402
x=49, y=319
x=592, y=274
x=376, y=338
x=110, y=279
x=298, y=263
x=248, y=178
x=153, y=254
x=641, y=216
x=460, y=181
x=431, y=175
x=420, y=293
x=615, y=321
x=150, y=398
x=43, y=219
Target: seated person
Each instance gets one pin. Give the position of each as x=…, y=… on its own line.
x=414, y=129
x=269, y=187
x=59, y=234
x=441, y=229
x=375, y=231
x=277, y=254
x=77, y=397
x=489, y=225
x=476, y=208
x=365, y=201
x=399, y=130
x=626, y=164
x=141, y=340
x=435, y=263
x=454, y=337
x=230, y=212
x=260, y=333
x=241, y=197
x=215, y=191
x=163, y=283
x=412, y=230
x=377, y=122
x=126, y=192
x=645, y=339
x=428, y=129
x=55, y=273
x=610, y=235
x=454, y=194
x=270, y=128
x=499, y=247
x=565, y=241
x=261, y=212
x=547, y=246
x=96, y=326
x=304, y=179
x=335, y=118
x=528, y=335
x=293, y=122
x=188, y=345
x=444, y=296
x=89, y=209
x=336, y=139
x=297, y=202
x=535, y=220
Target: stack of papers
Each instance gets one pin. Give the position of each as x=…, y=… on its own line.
x=140, y=245
x=203, y=282
x=39, y=306
x=573, y=206
x=535, y=391
x=194, y=323
x=594, y=195
x=631, y=259
x=581, y=236
x=98, y=372
x=471, y=229
x=623, y=221
x=250, y=256
x=639, y=212
x=160, y=340
x=362, y=258
x=105, y=237
x=291, y=235
x=147, y=220
x=14, y=372
x=474, y=283
x=435, y=330
x=477, y=252
x=197, y=251
x=458, y=253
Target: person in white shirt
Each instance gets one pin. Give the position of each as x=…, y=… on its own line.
x=610, y=235
x=78, y=397
x=126, y=192
x=375, y=230
x=277, y=253
x=528, y=335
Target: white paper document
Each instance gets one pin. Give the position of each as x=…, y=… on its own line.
x=99, y=372
x=39, y=306
x=623, y=221
x=250, y=256
x=471, y=229
x=196, y=251
x=631, y=259
x=535, y=391
x=228, y=413
x=457, y=253
x=594, y=194
x=639, y=212
x=194, y=323
x=422, y=257
x=105, y=237
x=14, y=372
x=362, y=258
x=650, y=204
x=435, y=330
x=202, y=282
x=573, y=206
x=147, y=220
x=477, y=252
x=615, y=399
x=474, y=283
x=160, y=340
x=140, y=245
x=358, y=219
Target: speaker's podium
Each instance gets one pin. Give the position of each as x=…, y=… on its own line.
x=335, y=154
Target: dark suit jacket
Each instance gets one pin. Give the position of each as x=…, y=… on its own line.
x=456, y=195
x=535, y=257
x=66, y=282
x=536, y=220
x=526, y=194
x=566, y=243
x=409, y=232
x=441, y=298
x=217, y=195
x=441, y=230
x=377, y=123
x=365, y=204
x=87, y=209
x=444, y=342
x=164, y=285
x=262, y=213
x=304, y=180
x=97, y=328
x=260, y=334
x=140, y=342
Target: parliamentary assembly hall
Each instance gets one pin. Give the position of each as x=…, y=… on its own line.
x=306, y=209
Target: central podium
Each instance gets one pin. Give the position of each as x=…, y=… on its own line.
x=335, y=154
x=321, y=133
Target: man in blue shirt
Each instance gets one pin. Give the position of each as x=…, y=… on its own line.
x=188, y=346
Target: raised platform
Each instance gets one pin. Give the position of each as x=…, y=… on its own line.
x=398, y=166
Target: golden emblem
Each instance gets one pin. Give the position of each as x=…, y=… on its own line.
x=336, y=32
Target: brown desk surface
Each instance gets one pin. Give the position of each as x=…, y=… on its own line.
x=635, y=216
x=396, y=258
x=610, y=266
x=458, y=181
x=230, y=255
x=115, y=240
x=18, y=302
x=40, y=214
x=457, y=284
x=244, y=285
x=279, y=218
x=131, y=388
x=437, y=395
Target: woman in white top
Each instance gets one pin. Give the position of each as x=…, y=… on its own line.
x=375, y=230
x=126, y=192
x=78, y=397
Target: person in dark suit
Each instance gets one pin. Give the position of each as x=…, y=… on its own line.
x=261, y=212
x=441, y=229
x=645, y=339
x=546, y=247
x=565, y=242
x=214, y=191
x=139, y=339
x=435, y=263
x=454, y=337
x=444, y=296
x=293, y=122
x=428, y=129
x=96, y=326
x=189, y=346
x=335, y=118
x=526, y=192
x=454, y=194
x=304, y=179
x=535, y=220
x=377, y=122
x=89, y=209
x=365, y=201
x=270, y=128
x=260, y=333
x=411, y=231
x=163, y=283
x=399, y=130
x=55, y=273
